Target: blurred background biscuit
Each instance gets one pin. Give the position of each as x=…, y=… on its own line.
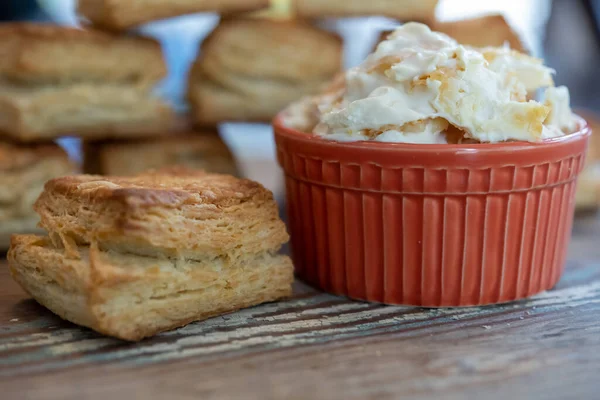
x=23, y=171
x=181, y=146
x=250, y=69
x=122, y=15
x=405, y=10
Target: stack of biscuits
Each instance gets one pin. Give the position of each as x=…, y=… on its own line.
x=59, y=81
x=134, y=256
x=252, y=65
x=178, y=143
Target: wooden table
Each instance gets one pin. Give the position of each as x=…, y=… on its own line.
x=320, y=346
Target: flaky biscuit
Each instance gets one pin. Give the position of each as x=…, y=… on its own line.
x=22, y=225
x=404, y=10
x=131, y=297
x=587, y=195
x=23, y=171
x=265, y=48
x=14, y=156
x=87, y=110
x=179, y=213
x=50, y=54
x=252, y=68
x=20, y=188
x=212, y=102
x=121, y=15
x=593, y=121
x=197, y=150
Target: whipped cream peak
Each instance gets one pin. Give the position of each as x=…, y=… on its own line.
x=421, y=86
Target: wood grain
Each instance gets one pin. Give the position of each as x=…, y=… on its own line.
x=320, y=346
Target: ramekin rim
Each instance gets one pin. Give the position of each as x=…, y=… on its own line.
x=279, y=127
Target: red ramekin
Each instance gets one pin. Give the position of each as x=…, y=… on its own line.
x=430, y=225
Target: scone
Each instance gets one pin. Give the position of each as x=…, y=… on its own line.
x=23, y=172
x=251, y=68
x=486, y=31
x=121, y=15
x=404, y=10
x=57, y=81
x=131, y=257
x=588, y=187
x=198, y=150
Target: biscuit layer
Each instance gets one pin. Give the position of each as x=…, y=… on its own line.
x=24, y=169
x=131, y=297
x=182, y=214
x=21, y=225
x=197, y=150
x=404, y=10
x=50, y=54
x=121, y=15
x=87, y=110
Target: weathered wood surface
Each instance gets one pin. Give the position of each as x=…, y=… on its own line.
x=320, y=346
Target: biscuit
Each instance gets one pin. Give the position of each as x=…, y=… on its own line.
x=179, y=213
x=404, y=10
x=213, y=103
x=23, y=225
x=132, y=297
x=121, y=15
x=59, y=81
x=196, y=150
x=23, y=172
x=587, y=195
x=49, y=54
x=87, y=110
x=252, y=68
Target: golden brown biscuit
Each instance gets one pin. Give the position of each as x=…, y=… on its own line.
x=404, y=10
x=197, y=150
x=131, y=297
x=23, y=172
x=214, y=103
x=87, y=110
x=23, y=225
x=252, y=68
x=593, y=121
x=60, y=81
x=588, y=185
x=180, y=213
x=50, y=54
x=121, y=15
